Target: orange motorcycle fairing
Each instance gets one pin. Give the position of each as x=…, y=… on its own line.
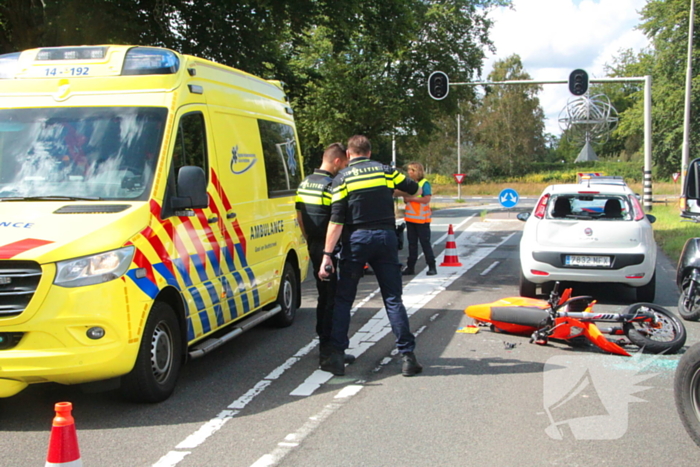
x=593, y=333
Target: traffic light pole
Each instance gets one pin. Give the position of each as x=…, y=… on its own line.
x=459, y=154
x=647, y=116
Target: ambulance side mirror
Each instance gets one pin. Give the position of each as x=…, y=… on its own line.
x=191, y=189
x=690, y=198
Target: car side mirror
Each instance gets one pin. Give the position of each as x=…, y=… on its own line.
x=651, y=218
x=523, y=216
x=191, y=189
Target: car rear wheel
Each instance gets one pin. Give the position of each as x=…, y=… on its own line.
x=527, y=288
x=646, y=293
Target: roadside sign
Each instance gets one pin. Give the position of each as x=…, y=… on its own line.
x=508, y=198
x=459, y=178
x=675, y=176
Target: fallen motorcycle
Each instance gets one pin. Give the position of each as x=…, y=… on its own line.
x=571, y=319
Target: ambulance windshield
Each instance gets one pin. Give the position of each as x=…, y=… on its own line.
x=107, y=153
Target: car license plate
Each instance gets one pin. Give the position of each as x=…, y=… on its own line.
x=589, y=261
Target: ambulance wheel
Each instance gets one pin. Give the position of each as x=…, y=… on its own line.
x=286, y=298
x=159, y=359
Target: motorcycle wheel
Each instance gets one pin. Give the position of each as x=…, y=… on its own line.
x=689, y=302
x=668, y=338
x=686, y=391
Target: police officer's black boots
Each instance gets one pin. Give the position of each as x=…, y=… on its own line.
x=334, y=363
x=410, y=365
x=327, y=350
x=431, y=270
x=408, y=271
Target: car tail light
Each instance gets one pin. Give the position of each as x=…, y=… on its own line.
x=539, y=273
x=637, y=209
x=635, y=276
x=541, y=206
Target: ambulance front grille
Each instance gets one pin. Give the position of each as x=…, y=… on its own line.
x=18, y=282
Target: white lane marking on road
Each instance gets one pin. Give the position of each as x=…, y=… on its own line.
x=340, y=399
x=488, y=269
x=416, y=294
x=276, y=456
x=172, y=458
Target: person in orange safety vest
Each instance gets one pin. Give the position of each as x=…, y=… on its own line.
x=418, y=217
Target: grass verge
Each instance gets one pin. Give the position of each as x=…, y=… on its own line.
x=670, y=231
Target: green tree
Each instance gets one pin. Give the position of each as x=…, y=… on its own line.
x=510, y=121
x=374, y=81
x=665, y=22
x=349, y=65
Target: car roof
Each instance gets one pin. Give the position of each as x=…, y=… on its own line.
x=576, y=188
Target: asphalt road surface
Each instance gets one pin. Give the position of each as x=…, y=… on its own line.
x=484, y=399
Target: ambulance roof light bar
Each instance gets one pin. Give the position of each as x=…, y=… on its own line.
x=150, y=61
x=8, y=65
x=138, y=60
x=71, y=53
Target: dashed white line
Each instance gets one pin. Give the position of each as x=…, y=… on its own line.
x=416, y=295
x=282, y=449
x=488, y=269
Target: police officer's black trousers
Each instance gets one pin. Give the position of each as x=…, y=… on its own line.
x=378, y=248
x=326, y=293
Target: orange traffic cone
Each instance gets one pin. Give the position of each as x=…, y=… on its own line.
x=451, y=258
x=63, y=445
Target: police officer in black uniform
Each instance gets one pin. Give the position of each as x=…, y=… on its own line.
x=362, y=210
x=313, y=204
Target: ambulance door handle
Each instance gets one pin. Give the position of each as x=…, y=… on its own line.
x=213, y=220
x=230, y=215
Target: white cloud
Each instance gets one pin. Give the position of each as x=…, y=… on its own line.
x=554, y=37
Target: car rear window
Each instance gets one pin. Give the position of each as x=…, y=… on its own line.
x=589, y=206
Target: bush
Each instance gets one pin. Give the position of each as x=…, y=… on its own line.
x=439, y=179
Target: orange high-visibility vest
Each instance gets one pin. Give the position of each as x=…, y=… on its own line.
x=416, y=212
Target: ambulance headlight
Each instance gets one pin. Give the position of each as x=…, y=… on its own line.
x=94, y=269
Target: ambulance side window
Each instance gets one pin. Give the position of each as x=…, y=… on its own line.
x=191, y=143
x=190, y=149
x=281, y=163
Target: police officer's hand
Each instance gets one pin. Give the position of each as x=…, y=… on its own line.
x=323, y=274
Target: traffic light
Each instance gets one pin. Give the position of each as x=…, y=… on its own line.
x=578, y=82
x=438, y=85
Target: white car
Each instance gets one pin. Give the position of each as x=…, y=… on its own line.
x=588, y=233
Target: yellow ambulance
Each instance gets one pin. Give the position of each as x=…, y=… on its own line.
x=146, y=214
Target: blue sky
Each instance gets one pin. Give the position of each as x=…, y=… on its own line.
x=554, y=37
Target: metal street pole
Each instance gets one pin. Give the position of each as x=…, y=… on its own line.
x=647, y=144
x=688, y=86
x=459, y=155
